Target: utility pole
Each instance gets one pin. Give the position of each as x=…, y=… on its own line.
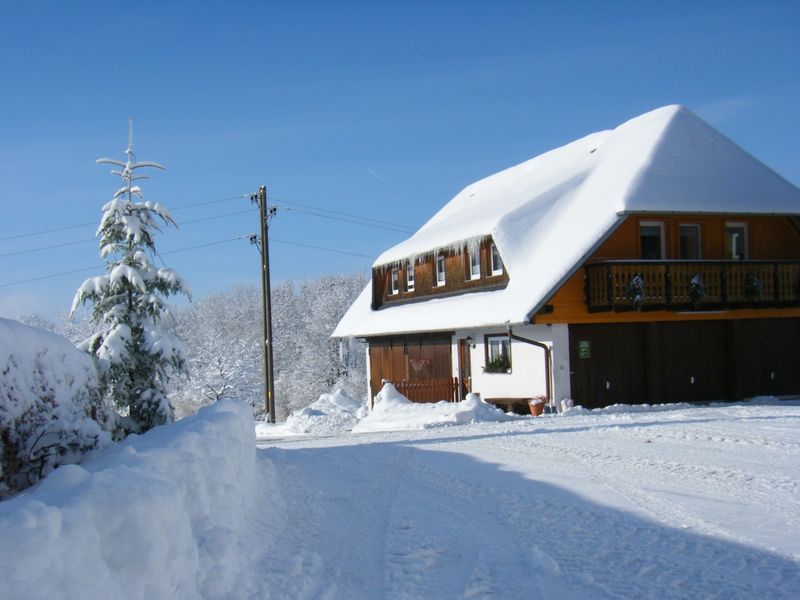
x=264, y=214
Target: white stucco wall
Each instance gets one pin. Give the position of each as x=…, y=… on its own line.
x=561, y=368
x=527, y=378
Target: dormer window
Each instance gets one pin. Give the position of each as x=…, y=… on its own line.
x=394, y=287
x=474, y=264
x=736, y=241
x=440, y=279
x=497, y=262
x=651, y=240
x=410, y=276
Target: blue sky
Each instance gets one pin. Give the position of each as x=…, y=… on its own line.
x=373, y=109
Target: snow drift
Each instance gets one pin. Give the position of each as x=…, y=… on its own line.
x=395, y=412
x=160, y=515
x=329, y=414
x=48, y=392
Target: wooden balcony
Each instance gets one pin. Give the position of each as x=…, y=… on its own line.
x=681, y=285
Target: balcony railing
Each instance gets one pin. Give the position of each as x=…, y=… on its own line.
x=691, y=284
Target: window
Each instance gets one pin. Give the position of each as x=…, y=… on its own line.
x=651, y=240
x=497, y=262
x=474, y=264
x=410, y=276
x=498, y=354
x=440, y=270
x=689, y=242
x=736, y=241
x=395, y=287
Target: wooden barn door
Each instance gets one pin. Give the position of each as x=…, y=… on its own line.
x=693, y=360
x=607, y=364
x=767, y=356
x=420, y=367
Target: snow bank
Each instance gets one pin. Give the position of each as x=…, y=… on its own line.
x=329, y=414
x=160, y=515
x=48, y=391
x=395, y=412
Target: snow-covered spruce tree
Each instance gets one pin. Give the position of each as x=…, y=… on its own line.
x=136, y=354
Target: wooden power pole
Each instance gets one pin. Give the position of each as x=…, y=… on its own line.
x=264, y=213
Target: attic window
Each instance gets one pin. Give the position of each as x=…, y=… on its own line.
x=474, y=264
x=440, y=279
x=497, y=262
x=410, y=276
x=395, y=287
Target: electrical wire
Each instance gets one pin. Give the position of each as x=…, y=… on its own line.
x=76, y=242
x=387, y=228
x=68, y=227
x=187, y=249
x=272, y=239
x=344, y=214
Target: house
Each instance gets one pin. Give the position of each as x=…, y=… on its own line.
x=655, y=262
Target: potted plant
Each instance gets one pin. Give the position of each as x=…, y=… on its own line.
x=634, y=291
x=697, y=291
x=537, y=405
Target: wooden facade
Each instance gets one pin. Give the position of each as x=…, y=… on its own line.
x=458, y=278
x=738, y=340
x=773, y=258
x=420, y=366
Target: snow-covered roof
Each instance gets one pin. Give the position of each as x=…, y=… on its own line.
x=548, y=214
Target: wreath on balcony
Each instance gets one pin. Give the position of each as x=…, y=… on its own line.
x=634, y=291
x=697, y=291
x=753, y=287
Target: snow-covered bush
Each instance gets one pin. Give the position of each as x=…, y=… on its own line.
x=135, y=352
x=165, y=514
x=51, y=411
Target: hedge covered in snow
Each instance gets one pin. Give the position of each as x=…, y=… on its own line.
x=49, y=405
x=161, y=515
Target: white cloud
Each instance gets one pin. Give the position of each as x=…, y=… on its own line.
x=718, y=111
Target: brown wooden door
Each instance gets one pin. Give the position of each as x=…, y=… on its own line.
x=693, y=361
x=607, y=364
x=767, y=354
x=465, y=367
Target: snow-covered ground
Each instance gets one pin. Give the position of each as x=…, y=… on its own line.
x=628, y=502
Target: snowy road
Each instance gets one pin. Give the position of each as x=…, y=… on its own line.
x=684, y=502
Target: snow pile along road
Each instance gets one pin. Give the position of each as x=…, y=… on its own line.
x=160, y=515
x=395, y=412
x=329, y=414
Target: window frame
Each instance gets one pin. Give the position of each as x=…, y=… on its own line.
x=739, y=225
x=440, y=274
x=502, y=339
x=410, y=276
x=662, y=238
x=496, y=261
x=473, y=262
x=394, y=282
x=699, y=230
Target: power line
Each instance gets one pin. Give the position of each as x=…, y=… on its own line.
x=76, y=242
x=337, y=212
x=39, y=249
x=79, y=225
x=52, y=275
x=322, y=248
x=396, y=229
x=196, y=247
